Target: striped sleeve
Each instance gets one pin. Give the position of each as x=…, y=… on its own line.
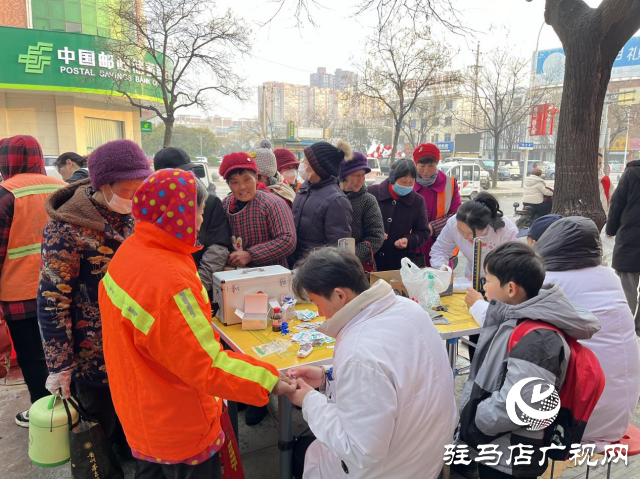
x=183, y=340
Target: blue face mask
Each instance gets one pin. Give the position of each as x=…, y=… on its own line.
x=402, y=190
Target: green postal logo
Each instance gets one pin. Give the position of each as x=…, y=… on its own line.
x=35, y=60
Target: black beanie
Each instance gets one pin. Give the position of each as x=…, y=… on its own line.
x=325, y=159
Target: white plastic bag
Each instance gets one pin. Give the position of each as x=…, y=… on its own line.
x=425, y=285
x=607, y=247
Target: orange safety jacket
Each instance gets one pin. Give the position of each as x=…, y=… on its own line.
x=445, y=197
x=167, y=369
x=21, y=269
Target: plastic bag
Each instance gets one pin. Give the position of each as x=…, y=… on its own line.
x=425, y=285
x=608, y=244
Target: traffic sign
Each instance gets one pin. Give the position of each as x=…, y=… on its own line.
x=446, y=146
x=525, y=145
x=146, y=127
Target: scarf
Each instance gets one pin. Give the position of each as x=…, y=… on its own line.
x=427, y=182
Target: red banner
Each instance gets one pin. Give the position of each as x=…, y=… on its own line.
x=542, y=119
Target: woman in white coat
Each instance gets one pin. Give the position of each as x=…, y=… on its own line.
x=572, y=251
x=388, y=409
x=535, y=190
x=480, y=218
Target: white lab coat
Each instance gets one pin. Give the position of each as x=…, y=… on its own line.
x=598, y=290
x=391, y=408
x=450, y=239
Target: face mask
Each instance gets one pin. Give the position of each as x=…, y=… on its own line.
x=118, y=204
x=290, y=176
x=402, y=190
x=305, y=172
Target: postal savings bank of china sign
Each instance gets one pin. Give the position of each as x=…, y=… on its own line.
x=56, y=61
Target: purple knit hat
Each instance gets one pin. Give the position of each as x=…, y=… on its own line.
x=359, y=162
x=118, y=160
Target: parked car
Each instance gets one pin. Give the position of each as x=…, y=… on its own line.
x=468, y=175
x=50, y=166
x=514, y=168
x=201, y=170
x=550, y=171
x=376, y=171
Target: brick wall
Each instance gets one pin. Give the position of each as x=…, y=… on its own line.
x=13, y=13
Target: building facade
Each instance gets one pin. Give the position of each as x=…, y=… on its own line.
x=58, y=80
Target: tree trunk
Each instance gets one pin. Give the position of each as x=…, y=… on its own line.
x=168, y=133
x=495, y=161
x=585, y=84
x=394, y=147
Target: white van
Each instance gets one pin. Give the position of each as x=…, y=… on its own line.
x=468, y=176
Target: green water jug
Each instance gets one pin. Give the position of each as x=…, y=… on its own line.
x=49, y=432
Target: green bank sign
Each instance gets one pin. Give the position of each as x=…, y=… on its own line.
x=72, y=62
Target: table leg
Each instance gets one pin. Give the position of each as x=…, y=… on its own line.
x=285, y=437
x=452, y=350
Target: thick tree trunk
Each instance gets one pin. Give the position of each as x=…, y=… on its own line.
x=585, y=85
x=168, y=133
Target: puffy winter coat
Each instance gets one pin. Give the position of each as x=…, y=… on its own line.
x=405, y=217
x=77, y=247
x=535, y=189
x=624, y=220
x=494, y=371
x=322, y=215
x=366, y=226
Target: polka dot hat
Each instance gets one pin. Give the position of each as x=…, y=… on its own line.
x=167, y=199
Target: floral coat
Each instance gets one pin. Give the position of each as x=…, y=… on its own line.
x=77, y=246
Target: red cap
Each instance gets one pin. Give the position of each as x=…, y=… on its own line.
x=426, y=149
x=237, y=161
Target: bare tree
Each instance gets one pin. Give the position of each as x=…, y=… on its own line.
x=398, y=67
x=184, y=47
x=501, y=98
x=591, y=38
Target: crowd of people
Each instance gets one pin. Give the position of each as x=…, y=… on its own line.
x=106, y=285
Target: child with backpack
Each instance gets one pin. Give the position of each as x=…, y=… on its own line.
x=530, y=331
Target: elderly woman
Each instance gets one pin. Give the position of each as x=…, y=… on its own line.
x=261, y=223
x=366, y=223
x=89, y=221
x=162, y=353
x=404, y=215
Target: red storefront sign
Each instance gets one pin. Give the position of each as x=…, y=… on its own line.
x=542, y=119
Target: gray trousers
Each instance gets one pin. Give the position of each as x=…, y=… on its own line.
x=630, y=282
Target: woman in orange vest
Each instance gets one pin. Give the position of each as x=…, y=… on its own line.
x=440, y=193
x=23, y=194
x=167, y=370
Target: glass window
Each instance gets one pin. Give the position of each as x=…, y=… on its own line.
x=450, y=104
x=476, y=174
x=455, y=172
x=40, y=9
x=447, y=121
x=101, y=131
x=435, y=122
x=40, y=24
x=89, y=29
x=56, y=10
x=89, y=15
x=72, y=13
x=467, y=172
x=57, y=25
x=74, y=27
x=447, y=137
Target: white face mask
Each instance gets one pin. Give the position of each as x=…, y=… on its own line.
x=290, y=176
x=304, y=172
x=118, y=204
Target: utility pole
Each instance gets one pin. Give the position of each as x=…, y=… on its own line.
x=626, y=140
x=476, y=68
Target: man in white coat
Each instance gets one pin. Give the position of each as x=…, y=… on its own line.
x=388, y=408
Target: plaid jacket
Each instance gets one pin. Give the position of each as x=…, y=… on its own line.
x=266, y=227
x=19, y=154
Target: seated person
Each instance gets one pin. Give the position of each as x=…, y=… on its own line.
x=387, y=411
x=535, y=190
x=538, y=228
x=572, y=251
x=515, y=274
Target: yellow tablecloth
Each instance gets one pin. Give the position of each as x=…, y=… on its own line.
x=461, y=324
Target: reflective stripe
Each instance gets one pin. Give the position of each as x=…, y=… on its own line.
x=203, y=331
x=35, y=190
x=444, y=199
x=131, y=310
x=16, y=253
x=205, y=295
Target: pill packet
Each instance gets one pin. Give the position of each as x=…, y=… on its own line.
x=278, y=345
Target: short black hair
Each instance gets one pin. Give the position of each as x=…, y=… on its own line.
x=402, y=168
x=426, y=160
x=519, y=263
x=326, y=269
x=240, y=171
x=600, y=155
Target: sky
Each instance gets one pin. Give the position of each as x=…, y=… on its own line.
x=285, y=52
